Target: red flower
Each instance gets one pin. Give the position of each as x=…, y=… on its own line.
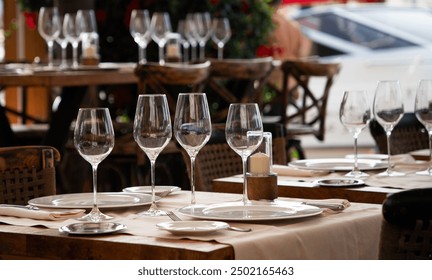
x=214, y=2
x=30, y=19
x=264, y=51
x=245, y=7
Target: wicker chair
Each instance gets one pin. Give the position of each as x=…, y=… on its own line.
x=217, y=160
x=408, y=135
x=406, y=231
x=27, y=172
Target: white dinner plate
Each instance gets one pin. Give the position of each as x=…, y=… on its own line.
x=338, y=164
x=259, y=212
x=340, y=182
x=192, y=227
x=85, y=200
x=92, y=228
x=159, y=190
x=369, y=156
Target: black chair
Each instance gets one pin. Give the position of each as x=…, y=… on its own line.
x=408, y=135
x=406, y=231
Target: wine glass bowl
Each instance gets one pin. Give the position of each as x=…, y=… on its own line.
x=221, y=34
x=423, y=112
x=202, y=30
x=94, y=141
x=244, y=133
x=139, y=28
x=388, y=110
x=49, y=28
x=355, y=115
x=72, y=34
x=192, y=128
x=152, y=132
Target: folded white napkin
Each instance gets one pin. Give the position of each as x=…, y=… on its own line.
x=41, y=214
x=285, y=170
x=331, y=203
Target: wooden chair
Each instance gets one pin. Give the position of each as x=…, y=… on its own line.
x=217, y=160
x=408, y=135
x=237, y=81
x=406, y=231
x=27, y=172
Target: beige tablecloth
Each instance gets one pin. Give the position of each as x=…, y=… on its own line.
x=351, y=234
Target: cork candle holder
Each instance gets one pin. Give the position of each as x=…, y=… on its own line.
x=261, y=183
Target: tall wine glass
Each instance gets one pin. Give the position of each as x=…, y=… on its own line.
x=189, y=33
x=388, y=110
x=87, y=28
x=72, y=33
x=355, y=115
x=152, y=132
x=160, y=26
x=94, y=141
x=192, y=128
x=139, y=28
x=203, y=30
x=423, y=111
x=63, y=43
x=221, y=34
x=49, y=28
x=244, y=133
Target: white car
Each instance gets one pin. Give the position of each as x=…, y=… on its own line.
x=372, y=42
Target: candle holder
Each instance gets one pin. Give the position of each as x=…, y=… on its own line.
x=261, y=181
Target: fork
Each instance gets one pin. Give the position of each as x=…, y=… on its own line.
x=176, y=218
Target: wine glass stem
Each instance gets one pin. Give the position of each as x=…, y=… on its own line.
x=355, y=155
x=389, y=169
x=220, y=52
x=94, y=173
x=63, y=54
x=50, y=53
x=430, y=152
x=193, y=201
x=142, y=55
x=161, y=54
x=153, y=184
x=193, y=52
x=75, y=55
x=202, y=50
x=245, y=192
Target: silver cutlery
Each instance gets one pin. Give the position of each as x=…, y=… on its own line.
x=176, y=218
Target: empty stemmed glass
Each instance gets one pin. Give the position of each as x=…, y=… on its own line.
x=94, y=141
x=139, y=28
x=423, y=111
x=72, y=34
x=203, y=30
x=160, y=26
x=244, y=134
x=355, y=115
x=63, y=43
x=221, y=34
x=152, y=132
x=388, y=110
x=189, y=33
x=49, y=28
x=192, y=128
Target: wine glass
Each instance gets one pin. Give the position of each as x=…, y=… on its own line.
x=72, y=34
x=388, y=110
x=244, y=133
x=160, y=26
x=87, y=28
x=49, y=28
x=203, y=30
x=94, y=141
x=355, y=115
x=221, y=34
x=192, y=128
x=152, y=132
x=63, y=43
x=181, y=29
x=139, y=28
x=423, y=111
x=189, y=33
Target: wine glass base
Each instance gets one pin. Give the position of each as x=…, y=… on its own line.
x=391, y=173
x=95, y=216
x=356, y=174
x=427, y=172
x=153, y=213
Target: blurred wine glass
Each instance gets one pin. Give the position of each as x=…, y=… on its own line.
x=203, y=30
x=139, y=28
x=152, y=132
x=388, y=110
x=355, y=115
x=94, y=141
x=423, y=111
x=181, y=29
x=63, y=43
x=221, y=34
x=192, y=128
x=189, y=33
x=87, y=28
x=160, y=26
x=49, y=28
x=72, y=34
x=244, y=133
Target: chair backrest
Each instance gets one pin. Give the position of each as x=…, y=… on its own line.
x=172, y=78
x=306, y=106
x=238, y=81
x=217, y=159
x=408, y=135
x=406, y=231
x=27, y=172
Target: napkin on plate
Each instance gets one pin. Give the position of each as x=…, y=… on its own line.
x=331, y=203
x=56, y=215
x=285, y=170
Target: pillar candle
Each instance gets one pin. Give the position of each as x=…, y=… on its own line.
x=259, y=164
